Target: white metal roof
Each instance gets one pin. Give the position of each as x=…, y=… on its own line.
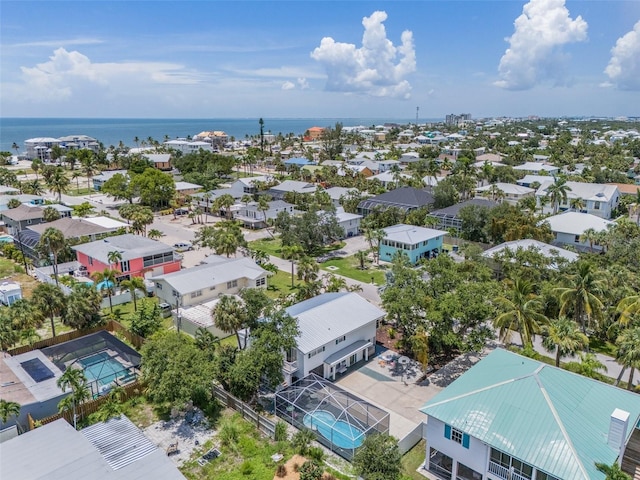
x=324, y=318
x=411, y=234
x=575, y=223
x=587, y=191
x=526, y=244
x=508, y=188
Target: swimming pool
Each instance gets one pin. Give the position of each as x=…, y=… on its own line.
x=101, y=368
x=338, y=432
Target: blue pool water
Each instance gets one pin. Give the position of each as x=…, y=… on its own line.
x=102, y=368
x=338, y=432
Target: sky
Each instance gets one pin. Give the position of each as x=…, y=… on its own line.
x=312, y=59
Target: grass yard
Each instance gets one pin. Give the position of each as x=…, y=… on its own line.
x=7, y=267
x=412, y=460
x=350, y=267
x=272, y=246
x=280, y=283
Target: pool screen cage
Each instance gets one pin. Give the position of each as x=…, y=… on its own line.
x=340, y=420
x=105, y=359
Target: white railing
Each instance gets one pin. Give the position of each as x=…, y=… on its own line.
x=498, y=470
x=290, y=367
x=517, y=476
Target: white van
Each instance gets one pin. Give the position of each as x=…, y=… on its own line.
x=183, y=246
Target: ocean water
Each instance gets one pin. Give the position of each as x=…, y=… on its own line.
x=111, y=131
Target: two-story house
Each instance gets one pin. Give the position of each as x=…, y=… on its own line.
x=139, y=256
x=406, y=199
x=594, y=198
x=507, y=192
x=278, y=192
x=513, y=418
x=568, y=229
x=252, y=216
x=25, y=215
x=415, y=242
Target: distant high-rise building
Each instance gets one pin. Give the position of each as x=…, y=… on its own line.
x=453, y=119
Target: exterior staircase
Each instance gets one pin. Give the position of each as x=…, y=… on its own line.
x=631, y=458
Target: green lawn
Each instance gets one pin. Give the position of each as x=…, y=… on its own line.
x=7, y=267
x=350, y=267
x=74, y=192
x=280, y=283
x=272, y=246
x=412, y=460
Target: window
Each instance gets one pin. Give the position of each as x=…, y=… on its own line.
x=457, y=436
x=232, y=284
x=157, y=259
x=261, y=281
x=124, y=266
x=544, y=476
x=507, y=462
x=197, y=293
x=90, y=260
x=596, y=205
x=158, y=285
x=315, y=352
x=577, y=239
x=341, y=339
x=212, y=288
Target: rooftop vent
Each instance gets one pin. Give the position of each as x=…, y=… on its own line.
x=618, y=429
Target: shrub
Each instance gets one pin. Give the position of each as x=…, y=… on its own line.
x=391, y=332
x=301, y=441
x=281, y=432
x=281, y=471
x=310, y=470
x=316, y=453
x=229, y=432
x=246, y=468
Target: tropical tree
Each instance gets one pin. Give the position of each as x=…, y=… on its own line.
x=378, y=458
x=58, y=182
x=114, y=257
x=50, y=300
x=628, y=355
x=106, y=280
x=521, y=311
x=52, y=242
x=308, y=269
x=13, y=203
x=82, y=309
x=88, y=165
x=558, y=192
x=8, y=409
x=230, y=316
x=591, y=236
x=225, y=202
x=627, y=307
x=155, y=234
x=133, y=284
x=582, y=294
x=563, y=336
x=75, y=379
x=293, y=253
x=612, y=472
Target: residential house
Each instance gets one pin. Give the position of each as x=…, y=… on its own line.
x=389, y=179
x=40, y=147
x=536, y=168
x=552, y=252
x=140, y=256
x=448, y=217
x=22, y=198
x=79, y=142
x=511, y=193
x=17, y=219
x=215, y=138
x=207, y=282
x=529, y=180
x=7, y=190
x=337, y=330
x=568, y=229
x=112, y=450
x=99, y=180
x=278, y=192
x=314, y=133
x=297, y=163
x=349, y=222
x=415, y=242
x=404, y=198
x=186, y=189
x=186, y=146
x=336, y=193
x=513, y=418
x=161, y=161
x=597, y=199
x=10, y=292
x=252, y=217
x=354, y=170
x=495, y=159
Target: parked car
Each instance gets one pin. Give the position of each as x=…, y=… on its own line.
x=165, y=308
x=183, y=246
x=181, y=211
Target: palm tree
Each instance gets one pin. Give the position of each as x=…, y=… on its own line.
x=589, y=365
x=582, y=294
x=563, y=336
x=521, y=311
x=577, y=204
x=114, y=257
x=293, y=253
x=612, y=472
x=155, y=234
x=629, y=351
x=229, y=315
x=53, y=242
x=8, y=409
x=225, y=201
x=627, y=307
x=133, y=284
x=75, y=379
x=591, y=236
x=58, y=183
x=308, y=269
x=36, y=165
x=558, y=192
x=50, y=301
x=106, y=279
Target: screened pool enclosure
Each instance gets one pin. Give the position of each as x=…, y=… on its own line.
x=105, y=360
x=340, y=420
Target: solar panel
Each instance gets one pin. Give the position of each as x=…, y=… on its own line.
x=37, y=370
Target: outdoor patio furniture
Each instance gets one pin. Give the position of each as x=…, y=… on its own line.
x=172, y=448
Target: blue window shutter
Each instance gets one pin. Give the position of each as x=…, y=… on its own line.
x=447, y=431
x=465, y=440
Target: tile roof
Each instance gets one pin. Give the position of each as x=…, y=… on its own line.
x=550, y=418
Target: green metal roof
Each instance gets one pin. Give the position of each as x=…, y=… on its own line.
x=553, y=419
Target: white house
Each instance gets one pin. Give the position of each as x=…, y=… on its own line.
x=350, y=222
x=336, y=193
x=10, y=292
x=337, y=330
x=252, y=217
x=513, y=418
x=527, y=244
x=568, y=228
x=278, y=192
x=196, y=285
x=512, y=193
x=598, y=199
x=535, y=168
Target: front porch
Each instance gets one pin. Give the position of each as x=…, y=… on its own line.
x=339, y=362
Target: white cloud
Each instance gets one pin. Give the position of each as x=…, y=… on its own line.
x=624, y=67
x=288, y=85
x=377, y=68
x=66, y=72
x=303, y=83
x=534, y=52
x=58, y=43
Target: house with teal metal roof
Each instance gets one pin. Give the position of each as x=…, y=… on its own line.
x=513, y=418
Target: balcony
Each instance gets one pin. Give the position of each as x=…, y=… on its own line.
x=290, y=367
x=504, y=472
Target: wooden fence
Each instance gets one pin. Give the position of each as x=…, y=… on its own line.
x=111, y=326
x=87, y=408
x=264, y=425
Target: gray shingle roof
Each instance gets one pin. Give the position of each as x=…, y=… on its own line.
x=403, y=197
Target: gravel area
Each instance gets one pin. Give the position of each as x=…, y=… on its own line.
x=190, y=430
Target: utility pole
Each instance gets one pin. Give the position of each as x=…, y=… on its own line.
x=24, y=259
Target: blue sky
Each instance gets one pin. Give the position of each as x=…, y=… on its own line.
x=215, y=59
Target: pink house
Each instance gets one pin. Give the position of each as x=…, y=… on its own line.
x=139, y=256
